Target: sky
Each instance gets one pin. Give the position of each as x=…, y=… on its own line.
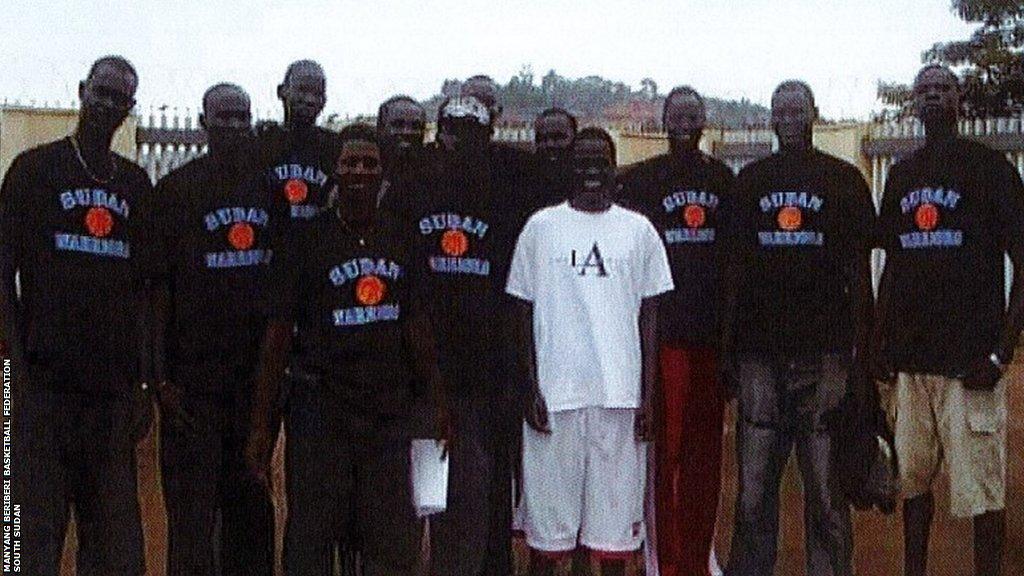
x=374, y=49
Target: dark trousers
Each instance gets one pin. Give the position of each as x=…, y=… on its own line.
x=689, y=452
x=780, y=406
x=473, y=536
x=76, y=449
x=206, y=479
x=347, y=480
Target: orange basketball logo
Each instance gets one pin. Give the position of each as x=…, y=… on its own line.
x=99, y=222
x=694, y=216
x=370, y=290
x=241, y=236
x=295, y=191
x=790, y=218
x=926, y=217
x=454, y=243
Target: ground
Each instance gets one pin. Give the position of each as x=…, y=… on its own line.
x=878, y=538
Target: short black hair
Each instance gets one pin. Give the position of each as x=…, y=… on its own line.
x=358, y=132
x=941, y=68
x=118, y=62
x=223, y=86
x=676, y=92
x=795, y=85
x=594, y=133
x=492, y=86
x=295, y=66
x=556, y=111
x=382, y=110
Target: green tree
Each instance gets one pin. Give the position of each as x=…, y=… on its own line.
x=990, y=62
x=595, y=99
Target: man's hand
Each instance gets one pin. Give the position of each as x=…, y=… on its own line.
x=727, y=378
x=983, y=374
x=877, y=365
x=142, y=412
x=259, y=449
x=537, y=412
x=643, y=425
x=445, y=432
x=172, y=408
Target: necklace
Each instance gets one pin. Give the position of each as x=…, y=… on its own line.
x=348, y=227
x=85, y=166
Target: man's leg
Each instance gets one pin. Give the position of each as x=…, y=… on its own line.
x=39, y=424
x=613, y=500
x=828, y=531
x=675, y=379
x=909, y=410
x=391, y=532
x=190, y=462
x=917, y=525
x=247, y=512
x=762, y=448
x=989, y=537
x=699, y=483
x=554, y=474
x=503, y=439
x=459, y=535
x=318, y=479
x=651, y=513
x=106, y=498
x=972, y=428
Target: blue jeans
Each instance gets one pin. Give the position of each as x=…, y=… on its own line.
x=780, y=406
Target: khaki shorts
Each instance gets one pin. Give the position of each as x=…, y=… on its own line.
x=937, y=421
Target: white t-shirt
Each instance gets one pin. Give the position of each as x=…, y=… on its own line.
x=586, y=275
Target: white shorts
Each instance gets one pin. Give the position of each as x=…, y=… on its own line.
x=584, y=483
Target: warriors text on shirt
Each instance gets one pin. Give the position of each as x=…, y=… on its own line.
x=693, y=206
x=929, y=205
x=241, y=237
x=98, y=222
x=296, y=180
x=371, y=277
x=790, y=209
x=457, y=238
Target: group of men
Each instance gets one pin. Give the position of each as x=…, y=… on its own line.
x=543, y=315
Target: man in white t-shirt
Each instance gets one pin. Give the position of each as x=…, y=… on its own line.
x=587, y=272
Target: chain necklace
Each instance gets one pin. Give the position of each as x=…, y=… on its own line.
x=85, y=166
x=348, y=228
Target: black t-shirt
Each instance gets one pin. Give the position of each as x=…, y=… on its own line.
x=214, y=234
x=686, y=199
x=298, y=175
x=466, y=224
x=402, y=185
x=800, y=222
x=948, y=215
x=349, y=296
x=80, y=248
x=551, y=183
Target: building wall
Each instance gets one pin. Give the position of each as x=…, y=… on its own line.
x=22, y=128
x=843, y=141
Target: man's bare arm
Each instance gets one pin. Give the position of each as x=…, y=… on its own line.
x=535, y=407
x=419, y=336
x=649, y=367
x=272, y=363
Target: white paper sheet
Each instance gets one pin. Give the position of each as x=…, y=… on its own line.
x=429, y=477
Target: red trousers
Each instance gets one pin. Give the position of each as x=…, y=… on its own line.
x=689, y=453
